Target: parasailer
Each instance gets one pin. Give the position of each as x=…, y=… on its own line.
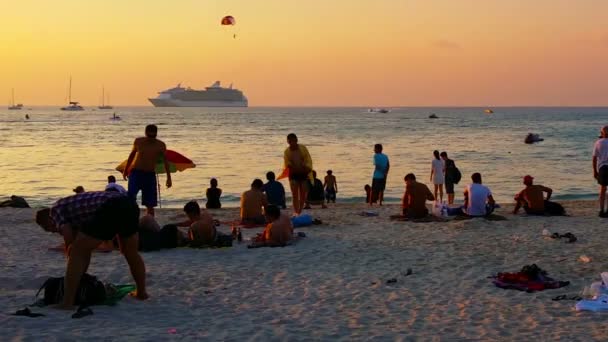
x=229, y=21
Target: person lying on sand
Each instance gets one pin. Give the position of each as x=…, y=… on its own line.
x=415, y=197
x=99, y=216
x=279, y=231
x=252, y=203
x=532, y=199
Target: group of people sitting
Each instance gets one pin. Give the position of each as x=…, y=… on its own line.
x=478, y=200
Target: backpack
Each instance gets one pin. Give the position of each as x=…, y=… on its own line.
x=90, y=291
x=457, y=176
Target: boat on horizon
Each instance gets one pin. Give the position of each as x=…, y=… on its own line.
x=379, y=110
x=103, y=100
x=12, y=105
x=213, y=96
x=72, y=105
x=488, y=111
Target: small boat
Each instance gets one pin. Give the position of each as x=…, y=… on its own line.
x=12, y=105
x=103, y=100
x=378, y=110
x=433, y=116
x=532, y=138
x=488, y=111
x=73, y=105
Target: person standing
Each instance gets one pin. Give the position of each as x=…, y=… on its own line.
x=438, y=174
x=142, y=176
x=600, y=167
x=87, y=219
x=451, y=176
x=381, y=168
x=298, y=167
x=331, y=187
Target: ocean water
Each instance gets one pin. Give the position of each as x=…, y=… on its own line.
x=45, y=157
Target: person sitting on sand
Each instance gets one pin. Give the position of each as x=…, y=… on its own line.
x=213, y=195
x=275, y=192
x=99, y=216
x=279, y=230
x=477, y=198
x=201, y=225
x=113, y=186
x=331, y=187
x=533, y=201
x=252, y=203
x=415, y=197
x=316, y=194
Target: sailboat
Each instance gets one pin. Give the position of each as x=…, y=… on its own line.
x=73, y=105
x=12, y=105
x=103, y=100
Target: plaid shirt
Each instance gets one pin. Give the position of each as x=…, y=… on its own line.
x=79, y=209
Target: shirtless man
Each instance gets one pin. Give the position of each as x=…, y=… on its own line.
x=415, y=197
x=144, y=157
x=331, y=187
x=202, y=228
x=280, y=229
x=299, y=163
x=533, y=200
x=252, y=202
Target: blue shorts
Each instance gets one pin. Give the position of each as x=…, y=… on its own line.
x=146, y=182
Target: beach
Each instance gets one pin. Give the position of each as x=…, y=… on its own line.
x=331, y=285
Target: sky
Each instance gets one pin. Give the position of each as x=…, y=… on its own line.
x=310, y=53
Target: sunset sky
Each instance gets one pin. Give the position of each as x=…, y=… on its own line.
x=310, y=53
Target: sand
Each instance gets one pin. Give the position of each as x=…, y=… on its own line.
x=330, y=286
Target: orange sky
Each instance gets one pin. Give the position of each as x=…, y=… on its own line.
x=310, y=53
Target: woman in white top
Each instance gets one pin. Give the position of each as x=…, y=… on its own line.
x=438, y=174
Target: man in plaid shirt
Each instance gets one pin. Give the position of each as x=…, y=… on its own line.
x=95, y=217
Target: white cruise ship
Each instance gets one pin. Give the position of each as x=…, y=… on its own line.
x=213, y=96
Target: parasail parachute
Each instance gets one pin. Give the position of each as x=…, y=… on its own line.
x=228, y=20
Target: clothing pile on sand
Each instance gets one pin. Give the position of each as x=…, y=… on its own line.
x=531, y=278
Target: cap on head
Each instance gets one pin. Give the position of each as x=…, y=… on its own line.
x=528, y=180
x=79, y=189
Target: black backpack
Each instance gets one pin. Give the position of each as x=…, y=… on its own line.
x=90, y=291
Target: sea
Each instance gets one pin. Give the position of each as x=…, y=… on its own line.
x=44, y=157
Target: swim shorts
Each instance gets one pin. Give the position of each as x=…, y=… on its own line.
x=146, y=182
x=378, y=184
x=602, y=177
x=449, y=187
x=118, y=215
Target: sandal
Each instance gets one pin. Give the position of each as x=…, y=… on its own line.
x=26, y=312
x=82, y=312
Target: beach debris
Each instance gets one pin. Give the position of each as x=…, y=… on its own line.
x=391, y=281
x=584, y=258
x=546, y=232
x=27, y=313
x=408, y=272
x=172, y=331
x=82, y=312
x=531, y=138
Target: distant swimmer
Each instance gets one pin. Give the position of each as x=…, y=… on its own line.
x=27, y=117
x=531, y=138
x=115, y=117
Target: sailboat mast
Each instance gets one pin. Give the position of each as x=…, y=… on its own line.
x=12, y=97
x=103, y=96
x=70, y=91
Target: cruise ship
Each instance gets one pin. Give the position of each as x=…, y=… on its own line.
x=213, y=96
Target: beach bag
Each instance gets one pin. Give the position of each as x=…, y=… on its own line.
x=168, y=236
x=302, y=221
x=90, y=291
x=223, y=240
x=439, y=209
